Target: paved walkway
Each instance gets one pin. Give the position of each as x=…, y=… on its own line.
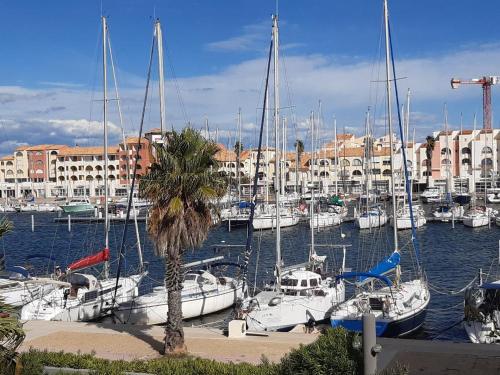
x=114, y=341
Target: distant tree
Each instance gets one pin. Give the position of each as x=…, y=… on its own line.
x=299, y=150
x=429, y=148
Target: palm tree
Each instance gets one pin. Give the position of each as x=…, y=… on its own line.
x=299, y=149
x=429, y=148
x=180, y=184
x=11, y=331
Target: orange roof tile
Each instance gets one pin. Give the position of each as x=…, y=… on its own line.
x=80, y=151
x=135, y=140
x=225, y=155
x=45, y=147
x=22, y=148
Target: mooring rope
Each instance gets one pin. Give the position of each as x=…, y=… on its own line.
x=450, y=292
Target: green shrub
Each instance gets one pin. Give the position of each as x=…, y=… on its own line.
x=332, y=353
x=34, y=361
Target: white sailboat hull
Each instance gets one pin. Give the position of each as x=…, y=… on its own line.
x=325, y=219
x=401, y=311
x=19, y=293
x=293, y=310
x=405, y=222
x=371, y=221
x=152, y=308
x=482, y=332
x=87, y=305
x=476, y=221
x=269, y=221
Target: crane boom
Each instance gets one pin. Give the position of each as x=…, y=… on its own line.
x=486, y=82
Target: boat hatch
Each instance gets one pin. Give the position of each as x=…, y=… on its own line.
x=82, y=280
x=376, y=304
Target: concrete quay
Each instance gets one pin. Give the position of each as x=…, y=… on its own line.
x=115, y=341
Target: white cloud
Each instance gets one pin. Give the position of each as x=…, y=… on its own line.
x=251, y=39
x=343, y=87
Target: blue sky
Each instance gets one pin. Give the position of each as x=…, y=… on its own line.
x=50, y=63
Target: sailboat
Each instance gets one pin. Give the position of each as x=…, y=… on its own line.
x=482, y=308
x=446, y=210
x=202, y=292
x=300, y=293
x=318, y=218
x=372, y=215
x=478, y=216
x=399, y=306
x=83, y=296
x=18, y=287
x=404, y=218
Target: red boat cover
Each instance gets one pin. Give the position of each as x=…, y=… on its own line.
x=89, y=261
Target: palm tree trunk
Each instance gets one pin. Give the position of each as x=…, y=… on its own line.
x=174, y=333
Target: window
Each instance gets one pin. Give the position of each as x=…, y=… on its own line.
x=357, y=173
x=466, y=150
x=387, y=172
x=427, y=173
x=9, y=163
x=446, y=162
x=289, y=282
x=313, y=282
x=466, y=162
x=38, y=153
x=445, y=151
x=344, y=163
x=486, y=150
x=426, y=163
x=357, y=162
x=303, y=283
x=487, y=162
x=9, y=173
x=375, y=171
x=19, y=154
x=121, y=192
x=19, y=171
x=386, y=162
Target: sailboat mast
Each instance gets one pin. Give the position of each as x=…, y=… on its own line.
x=312, y=188
x=120, y=116
x=267, y=150
x=239, y=156
x=161, y=85
x=389, y=120
x=105, y=123
x=367, y=162
x=277, y=157
x=448, y=174
x=336, y=158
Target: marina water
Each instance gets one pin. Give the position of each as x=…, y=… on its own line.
x=450, y=257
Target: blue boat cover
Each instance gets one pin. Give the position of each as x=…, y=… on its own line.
x=20, y=270
x=384, y=266
x=365, y=275
x=491, y=286
x=245, y=205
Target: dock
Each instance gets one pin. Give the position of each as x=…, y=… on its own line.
x=93, y=219
x=118, y=341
